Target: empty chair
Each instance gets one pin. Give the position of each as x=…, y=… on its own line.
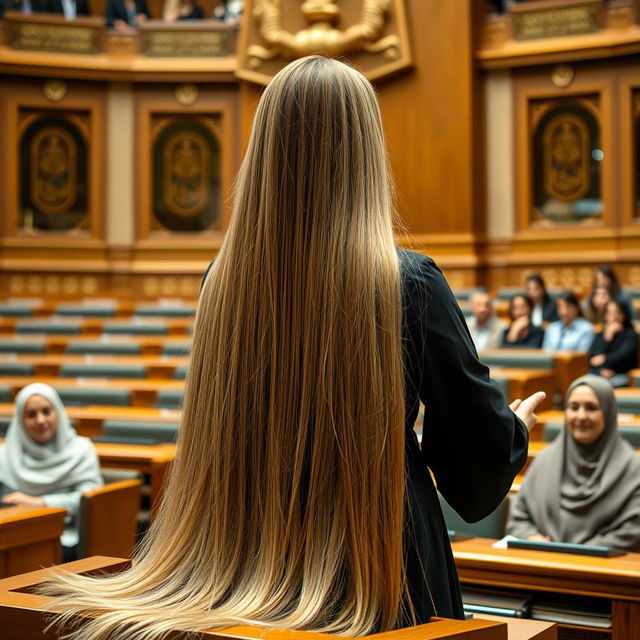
x=169, y=399
x=107, y=519
x=90, y=311
x=628, y=404
x=103, y=371
x=160, y=311
x=5, y=394
x=137, y=432
x=106, y=348
x=4, y=425
x=48, y=327
x=16, y=369
x=8, y=346
x=535, y=360
x=183, y=349
x=16, y=310
x=79, y=397
x=136, y=329
x=493, y=526
x=180, y=372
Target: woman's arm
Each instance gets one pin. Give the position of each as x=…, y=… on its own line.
x=520, y=522
x=472, y=441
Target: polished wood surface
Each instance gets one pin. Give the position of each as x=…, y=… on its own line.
x=96, y=326
x=29, y=538
x=22, y=612
x=617, y=579
x=520, y=629
x=109, y=519
x=524, y=382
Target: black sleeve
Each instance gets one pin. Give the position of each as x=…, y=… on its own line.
x=473, y=443
x=141, y=7
x=598, y=345
x=82, y=8
x=622, y=354
x=111, y=13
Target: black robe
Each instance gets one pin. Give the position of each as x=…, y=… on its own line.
x=472, y=442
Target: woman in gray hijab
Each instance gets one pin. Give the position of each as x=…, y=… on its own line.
x=585, y=487
x=43, y=462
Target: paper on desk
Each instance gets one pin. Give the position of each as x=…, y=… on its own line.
x=502, y=544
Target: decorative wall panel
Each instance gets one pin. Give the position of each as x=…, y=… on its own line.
x=186, y=174
x=53, y=169
x=567, y=159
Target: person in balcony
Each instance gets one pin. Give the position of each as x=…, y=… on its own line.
x=124, y=15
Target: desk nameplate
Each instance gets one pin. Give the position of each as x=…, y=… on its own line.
x=194, y=40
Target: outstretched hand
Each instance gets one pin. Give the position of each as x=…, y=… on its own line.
x=525, y=409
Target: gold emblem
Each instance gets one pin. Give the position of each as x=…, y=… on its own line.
x=54, y=89
x=186, y=167
x=567, y=158
x=562, y=75
x=186, y=94
x=53, y=170
x=321, y=36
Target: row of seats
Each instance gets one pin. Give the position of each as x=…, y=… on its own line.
x=115, y=370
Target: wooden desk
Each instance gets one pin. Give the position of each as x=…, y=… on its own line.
x=567, y=365
x=143, y=392
x=520, y=629
x=49, y=365
x=615, y=579
x=29, y=538
x=89, y=420
x=524, y=382
x=96, y=326
x=152, y=460
x=22, y=615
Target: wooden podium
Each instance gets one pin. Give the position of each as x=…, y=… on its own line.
x=22, y=615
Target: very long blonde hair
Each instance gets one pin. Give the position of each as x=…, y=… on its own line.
x=285, y=502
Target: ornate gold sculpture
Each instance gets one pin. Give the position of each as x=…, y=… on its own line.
x=321, y=36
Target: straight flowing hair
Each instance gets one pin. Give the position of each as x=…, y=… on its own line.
x=285, y=503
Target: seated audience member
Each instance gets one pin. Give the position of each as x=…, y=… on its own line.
x=181, y=10
x=584, y=488
x=69, y=8
x=595, y=305
x=124, y=14
x=485, y=327
x=544, y=308
x=23, y=6
x=522, y=333
x=614, y=351
x=43, y=463
x=572, y=332
x=605, y=276
x=228, y=11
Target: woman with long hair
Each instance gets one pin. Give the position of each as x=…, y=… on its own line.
x=300, y=497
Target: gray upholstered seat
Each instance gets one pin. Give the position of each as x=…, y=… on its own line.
x=628, y=404
x=137, y=432
x=15, y=310
x=114, y=370
x=136, y=329
x=106, y=348
x=535, y=360
x=492, y=526
x=79, y=397
x=49, y=327
x=16, y=369
x=182, y=349
x=169, y=399
x=180, y=372
x=164, y=312
x=4, y=425
x=5, y=394
x=9, y=346
x=97, y=311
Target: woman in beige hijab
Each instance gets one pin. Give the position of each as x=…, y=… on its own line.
x=585, y=487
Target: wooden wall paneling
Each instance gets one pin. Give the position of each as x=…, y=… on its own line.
x=15, y=95
x=533, y=85
x=629, y=105
x=219, y=100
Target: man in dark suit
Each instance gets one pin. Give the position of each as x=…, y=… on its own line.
x=123, y=14
x=69, y=8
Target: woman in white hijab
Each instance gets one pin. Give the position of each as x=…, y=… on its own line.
x=43, y=462
x=585, y=487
